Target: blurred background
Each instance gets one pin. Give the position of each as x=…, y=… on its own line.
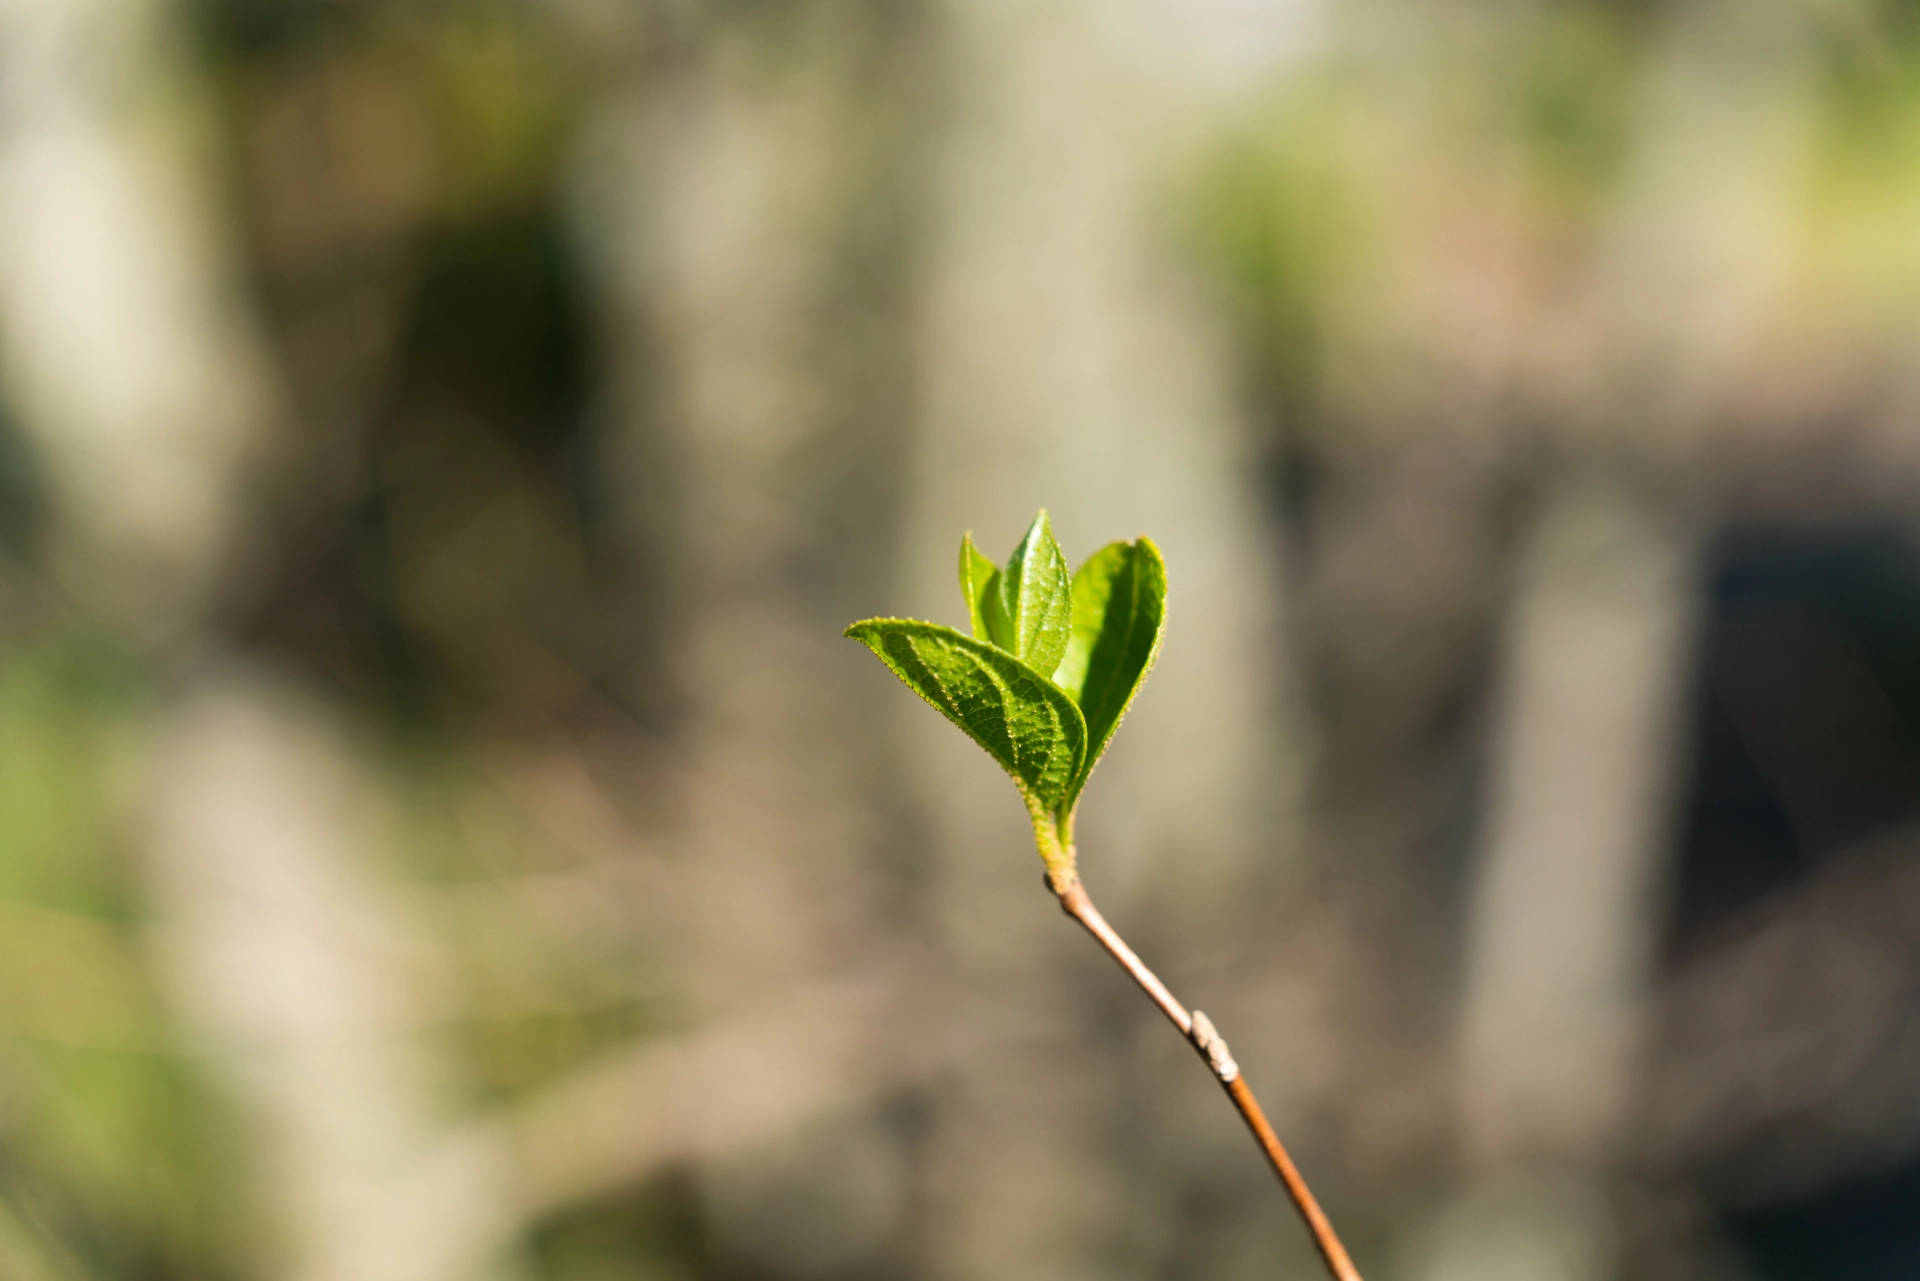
x=445, y=837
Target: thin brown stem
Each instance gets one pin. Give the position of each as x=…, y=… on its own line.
x=1199, y=1031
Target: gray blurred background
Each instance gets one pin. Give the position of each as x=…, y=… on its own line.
x=445, y=837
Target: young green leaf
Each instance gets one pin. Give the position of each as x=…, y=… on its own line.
x=1031, y=614
x=976, y=576
x=1119, y=617
x=994, y=616
x=1024, y=721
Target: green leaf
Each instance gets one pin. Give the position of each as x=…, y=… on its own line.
x=993, y=615
x=976, y=576
x=1119, y=618
x=1031, y=614
x=1020, y=717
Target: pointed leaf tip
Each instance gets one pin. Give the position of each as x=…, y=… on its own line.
x=1031, y=616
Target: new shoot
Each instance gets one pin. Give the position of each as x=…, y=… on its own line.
x=1053, y=662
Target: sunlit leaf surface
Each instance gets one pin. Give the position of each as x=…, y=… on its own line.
x=1023, y=720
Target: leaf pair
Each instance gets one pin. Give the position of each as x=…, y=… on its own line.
x=1053, y=662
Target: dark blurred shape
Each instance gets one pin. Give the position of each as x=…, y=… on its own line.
x=1795, y=927
x=1808, y=743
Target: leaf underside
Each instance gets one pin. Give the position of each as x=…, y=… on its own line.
x=1119, y=619
x=976, y=578
x=1025, y=722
